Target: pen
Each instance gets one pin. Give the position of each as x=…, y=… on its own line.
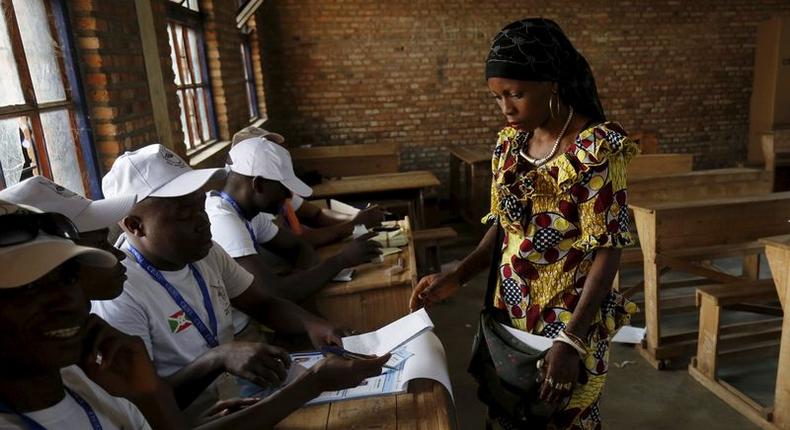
x=386, y=213
x=348, y=354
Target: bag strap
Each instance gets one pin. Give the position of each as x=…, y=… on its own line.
x=493, y=271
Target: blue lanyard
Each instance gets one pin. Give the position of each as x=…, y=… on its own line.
x=33, y=425
x=247, y=223
x=209, y=335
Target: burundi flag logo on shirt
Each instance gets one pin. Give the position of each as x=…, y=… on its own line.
x=179, y=322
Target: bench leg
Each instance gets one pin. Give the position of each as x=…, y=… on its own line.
x=751, y=266
x=708, y=340
x=652, y=300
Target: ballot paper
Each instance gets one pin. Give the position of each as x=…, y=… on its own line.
x=344, y=208
x=344, y=275
x=359, y=230
x=533, y=341
x=391, y=336
x=421, y=357
x=629, y=334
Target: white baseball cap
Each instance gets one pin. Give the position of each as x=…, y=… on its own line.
x=258, y=156
x=155, y=171
x=27, y=261
x=252, y=131
x=87, y=215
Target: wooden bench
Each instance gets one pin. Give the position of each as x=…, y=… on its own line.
x=348, y=160
x=430, y=240
x=651, y=165
x=683, y=236
x=777, y=251
x=717, y=341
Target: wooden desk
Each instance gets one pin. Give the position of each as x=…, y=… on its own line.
x=678, y=236
x=408, y=185
x=373, y=298
x=473, y=164
x=346, y=160
x=427, y=406
x=659, y=165
x=777, y=250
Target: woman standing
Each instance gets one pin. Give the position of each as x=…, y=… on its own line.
x=559, y=195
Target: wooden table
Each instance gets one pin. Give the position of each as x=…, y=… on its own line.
x=373, y=298
x=777, y=251
x=473, y=163
x=426, y=406
x=645, y=165
x=409, y=185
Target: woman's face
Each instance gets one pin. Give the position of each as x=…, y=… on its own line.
x=525, y=104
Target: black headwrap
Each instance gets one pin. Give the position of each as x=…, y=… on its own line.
x=536, y=49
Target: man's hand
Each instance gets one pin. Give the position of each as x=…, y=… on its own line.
x=360, y=250
x=337, y=373
x=117, y=362
x=226, y=407
x=322, y=333
x=370, y=216
x=260, y=363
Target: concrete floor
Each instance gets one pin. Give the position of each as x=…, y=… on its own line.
x=636, y=396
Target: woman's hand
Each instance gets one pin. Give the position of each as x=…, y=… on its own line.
x=433, y=289
x=560, y=372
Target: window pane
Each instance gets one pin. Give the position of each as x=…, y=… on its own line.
x=182, y=109
x=10, y=89
x=194, y=52
x=173, y=59
x=61, y=150
x=40, y=50
x=17, y=153
x=203, y=112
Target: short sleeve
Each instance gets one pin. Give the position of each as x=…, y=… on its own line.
x=602, y=198
x=230, y=232
x=235, y=278
x=127, y=315
x=499, y=149
x=264, y=228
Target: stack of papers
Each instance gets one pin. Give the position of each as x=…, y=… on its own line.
x=416, y=353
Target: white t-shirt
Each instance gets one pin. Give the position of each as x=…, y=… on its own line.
x=145, y=308
x=114, y=413
x=230, y=231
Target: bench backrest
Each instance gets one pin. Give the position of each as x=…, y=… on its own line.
x=675, y=226
x=348, y=160
x=659, y=165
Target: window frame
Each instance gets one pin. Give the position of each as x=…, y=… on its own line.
x=193, y=20
x=73, y=103
x=250, y=85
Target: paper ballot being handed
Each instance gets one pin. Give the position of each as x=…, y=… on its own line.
x=391, y=336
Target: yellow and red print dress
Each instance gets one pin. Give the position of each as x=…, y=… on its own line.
x=554, y=218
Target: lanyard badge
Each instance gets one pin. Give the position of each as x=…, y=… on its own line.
x=229, y=200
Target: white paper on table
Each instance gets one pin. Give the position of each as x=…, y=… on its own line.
x=629, y=334
x=534, y=341
x=359, y=230
x=391, y=336
x=389, y=251
x=344, y=275
x=343, y=208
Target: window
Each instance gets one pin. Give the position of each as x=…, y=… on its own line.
x=249, y=77
x=42, y=125
x=187, y=52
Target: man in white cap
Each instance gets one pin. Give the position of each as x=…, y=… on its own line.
x=182, y=287
x=47, y=332
x=93, y=220
x=260, y=180
x=325, y=226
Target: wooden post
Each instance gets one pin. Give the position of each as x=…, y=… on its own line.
x=751, y=266
x=646, y=227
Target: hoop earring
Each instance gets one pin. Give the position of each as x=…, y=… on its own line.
x=551, y=105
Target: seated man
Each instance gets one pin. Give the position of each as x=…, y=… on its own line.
x=325, y=225
x=260, y=180
x=61, y=368
x=92, y=219
x=181, y=287
x=47, y=332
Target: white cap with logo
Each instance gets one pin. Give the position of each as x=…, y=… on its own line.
x=28, y=260
x=261, y=157
x=155, y=171
x=87, y=215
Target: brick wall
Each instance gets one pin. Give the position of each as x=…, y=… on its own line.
x=110, y=56
x=411, y=71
